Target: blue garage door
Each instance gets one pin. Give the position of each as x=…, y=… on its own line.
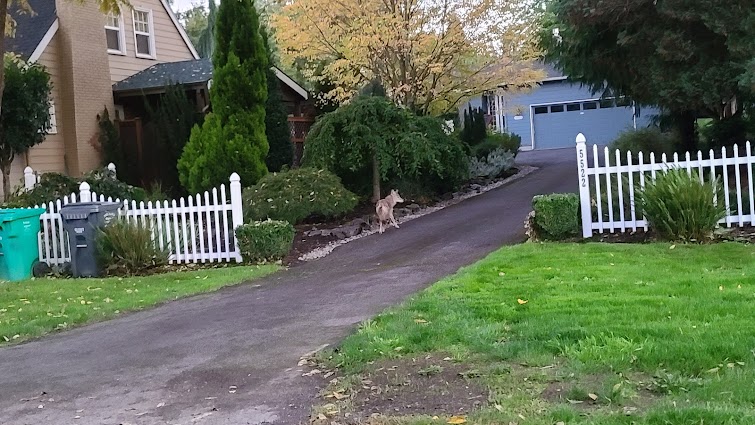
x=556, y=126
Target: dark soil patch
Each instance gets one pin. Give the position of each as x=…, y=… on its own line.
x=595, y=391
x=429, y=384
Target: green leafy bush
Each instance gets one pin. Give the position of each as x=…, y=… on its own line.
x=644, y=140
x=53, y=186
x=125, y=247
x=297, y=194
x=507, y=141
x=268, y=240
x=679, y=207
x=557, y=215
x=372, y=134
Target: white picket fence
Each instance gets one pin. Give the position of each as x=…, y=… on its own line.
x=193, y=229
x=610, y=184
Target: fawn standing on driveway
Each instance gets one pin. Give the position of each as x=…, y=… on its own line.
x=384, y=208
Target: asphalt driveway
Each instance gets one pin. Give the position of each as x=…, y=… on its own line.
x=231, y=357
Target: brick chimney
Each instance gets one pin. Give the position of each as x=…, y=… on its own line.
x=85, y=85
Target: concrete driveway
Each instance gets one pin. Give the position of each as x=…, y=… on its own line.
x=231, y=357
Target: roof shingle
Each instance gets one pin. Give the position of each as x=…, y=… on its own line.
x=31, y=28
x=194, y=71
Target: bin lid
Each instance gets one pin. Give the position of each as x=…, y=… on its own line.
x=12, y=214
x=81, y=210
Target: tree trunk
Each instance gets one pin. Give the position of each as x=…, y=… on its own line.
x=688, y=131
x=375, y=178
x=6, y=181
x=3, y=17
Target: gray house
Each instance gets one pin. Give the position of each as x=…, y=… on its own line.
x=551, y=114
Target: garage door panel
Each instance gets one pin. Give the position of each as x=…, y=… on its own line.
x=556, y=126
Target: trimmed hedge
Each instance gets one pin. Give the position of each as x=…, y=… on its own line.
x=294, y=195
x=557, y=215
x=261, y=241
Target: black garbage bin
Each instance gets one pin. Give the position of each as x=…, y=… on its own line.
x=81, y=221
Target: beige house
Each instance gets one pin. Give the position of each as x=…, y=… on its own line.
x=86, y=52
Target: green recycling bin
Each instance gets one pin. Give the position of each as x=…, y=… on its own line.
x=19, y=242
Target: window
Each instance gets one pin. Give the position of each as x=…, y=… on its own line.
x=114, y=35
x=53, y=129
x=573, y=107
x=557, y=108
x=541, y=110
x=590, y=105
x=606, y=103
x=144, y=37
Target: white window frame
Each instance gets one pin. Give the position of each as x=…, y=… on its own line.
x=121, y=35
x=53, y=120
x=151, y=33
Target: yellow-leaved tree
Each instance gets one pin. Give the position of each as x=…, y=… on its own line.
x=428, y=54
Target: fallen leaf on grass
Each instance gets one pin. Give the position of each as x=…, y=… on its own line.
x=420, y=321
x=457, y=420
x=593, y=396
x=521, y=301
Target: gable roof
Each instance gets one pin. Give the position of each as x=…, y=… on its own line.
x=33, y=29
x=188, y=72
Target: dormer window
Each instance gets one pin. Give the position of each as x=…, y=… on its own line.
x=114, y=34
x=144, y=34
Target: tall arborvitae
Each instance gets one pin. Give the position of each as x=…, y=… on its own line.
x=232, y=138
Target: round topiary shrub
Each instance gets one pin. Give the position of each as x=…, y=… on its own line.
x=294, y=195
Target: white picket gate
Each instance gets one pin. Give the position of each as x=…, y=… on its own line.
x=610, y=185
x=194, y=229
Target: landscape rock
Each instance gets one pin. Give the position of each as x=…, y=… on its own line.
x=311, y=233
x=401, y=212
x=347, y=231
x=40, y=269
x=359, y=222
x=414, y=208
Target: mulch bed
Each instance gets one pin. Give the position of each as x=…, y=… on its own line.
x=745, y=234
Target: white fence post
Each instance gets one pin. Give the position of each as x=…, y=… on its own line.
x=584, y=186
x=237, y=215
x=85, y=192
x=30, y=179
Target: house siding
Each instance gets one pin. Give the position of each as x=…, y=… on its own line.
x=169, y=45
x=49, y=155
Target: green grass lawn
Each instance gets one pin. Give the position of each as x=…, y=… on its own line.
x=39, y=306
x=622, y=334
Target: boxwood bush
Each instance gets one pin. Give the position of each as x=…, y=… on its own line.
x=557, y=215
x=294, y=195
x=261, y=241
